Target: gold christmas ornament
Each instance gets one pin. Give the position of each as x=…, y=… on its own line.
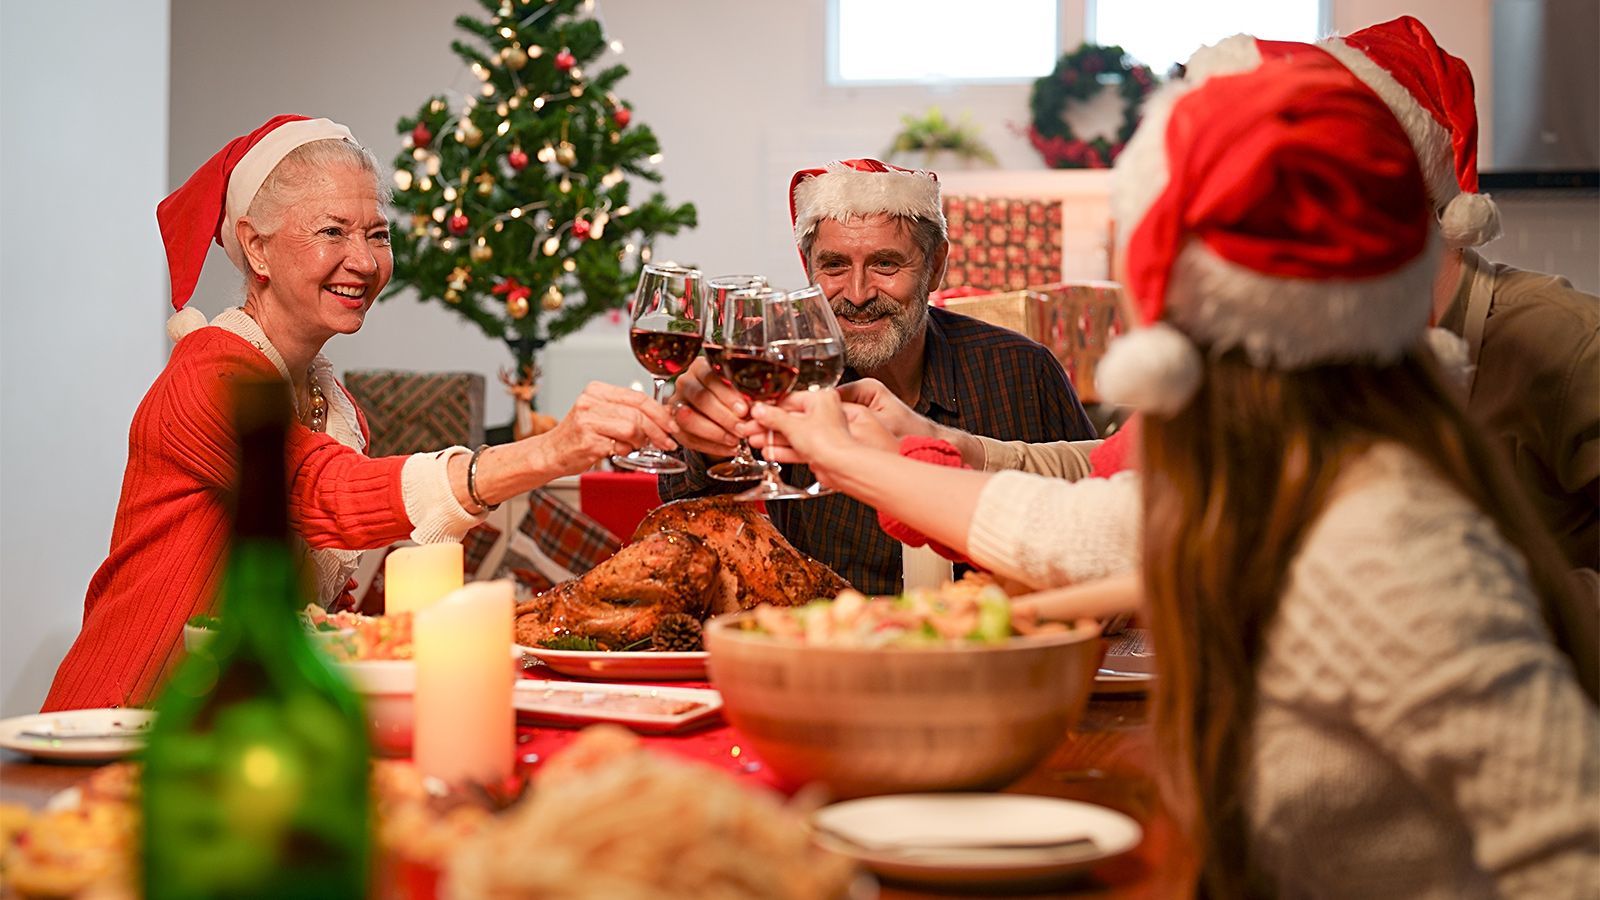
x=552, y=299
x=566, y=154
x=481, y=252
x=485, y=183
x=565, y=185
x=469, y=134
x=452, y=296
x=514, y=57
x=459, y=276
x=517, y=305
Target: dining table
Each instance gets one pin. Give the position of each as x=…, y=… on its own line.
x=1107, y=758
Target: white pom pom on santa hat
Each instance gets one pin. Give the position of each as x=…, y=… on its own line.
x=185, y=322
x=1154, y=370
x=1469, y=220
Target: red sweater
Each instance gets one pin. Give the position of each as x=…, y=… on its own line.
x=169, y=542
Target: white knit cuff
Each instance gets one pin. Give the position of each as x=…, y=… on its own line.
x=1048, y=532
x=436, y=515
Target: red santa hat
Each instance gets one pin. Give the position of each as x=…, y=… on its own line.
x=1279, y=211
x=1427, y=89
x=861, y=187
x=206, y=207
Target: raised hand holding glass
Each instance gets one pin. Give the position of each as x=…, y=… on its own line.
x=667, y=331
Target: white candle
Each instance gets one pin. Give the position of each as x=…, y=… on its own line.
x=465, y=722
x=923, y=568
x=414, y=577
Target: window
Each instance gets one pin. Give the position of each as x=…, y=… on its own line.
x=1160, y=33
x=898, y=41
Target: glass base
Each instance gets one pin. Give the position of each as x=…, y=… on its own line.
x=739, y=470
x=650, y=461
x=773, y=490
x=817, y=490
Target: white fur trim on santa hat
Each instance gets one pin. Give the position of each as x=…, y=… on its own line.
x=1140, y=172
x=258, y=162
x=1239, y=53
x=842, y=192
x=184, y=322
x=1154, y=370
x=1295, y=323
x=1470, y=220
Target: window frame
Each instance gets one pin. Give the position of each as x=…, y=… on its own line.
x=1091, y=9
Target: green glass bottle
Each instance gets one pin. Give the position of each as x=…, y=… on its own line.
x=256, y=773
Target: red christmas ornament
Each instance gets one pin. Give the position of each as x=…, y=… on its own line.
x=580, y=228
x=622, y=116
x=459, y=224
x=421, y=136
x=565, y=60
x=517, y=159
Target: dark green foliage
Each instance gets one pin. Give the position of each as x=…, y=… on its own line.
x=607, y=158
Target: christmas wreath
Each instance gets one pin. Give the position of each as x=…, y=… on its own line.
x=1078, y=76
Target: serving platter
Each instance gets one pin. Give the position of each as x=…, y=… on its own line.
x=643, y=708
x=1129, y=666
x=623, y=665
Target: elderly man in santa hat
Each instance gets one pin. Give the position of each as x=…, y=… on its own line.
x=873, y=237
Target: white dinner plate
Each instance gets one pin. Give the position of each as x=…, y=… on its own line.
x=973, y=840
x=624, y=665
x=79, y=734
x=1129, y=666
x=652, y=710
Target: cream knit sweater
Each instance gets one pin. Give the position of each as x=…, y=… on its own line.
x=1417, y=734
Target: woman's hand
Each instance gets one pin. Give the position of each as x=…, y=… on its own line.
x=863, y=424
x=605, y=420
x=707, y=411
x=815, y=430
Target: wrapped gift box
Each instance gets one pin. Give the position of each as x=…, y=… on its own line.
x=1074, y=320
x=411, y=412
x=1000, y=243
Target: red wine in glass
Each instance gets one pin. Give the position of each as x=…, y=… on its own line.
x=714, y=354
x=821, y=364
x=739, y=327
x=760, y=379
x=664, y=353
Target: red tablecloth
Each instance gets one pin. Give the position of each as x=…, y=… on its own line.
x=618, y=500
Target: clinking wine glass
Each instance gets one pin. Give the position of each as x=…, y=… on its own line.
x=667, y=330
x=820, y=349
x=768, y=377
x=731, y=301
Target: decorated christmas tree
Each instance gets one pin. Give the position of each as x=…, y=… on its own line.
x=520, y=194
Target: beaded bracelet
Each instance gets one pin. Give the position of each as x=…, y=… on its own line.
x=472, y=481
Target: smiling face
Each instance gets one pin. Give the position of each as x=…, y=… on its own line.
x=878, y=278
x=326, y=258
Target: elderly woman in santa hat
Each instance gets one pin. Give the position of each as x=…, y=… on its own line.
x=1359, y=695
x=298, y=205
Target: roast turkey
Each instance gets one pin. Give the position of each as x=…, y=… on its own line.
x=691, y=558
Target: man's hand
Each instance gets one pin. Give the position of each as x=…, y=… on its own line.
x=606, y=419
x=707, y=411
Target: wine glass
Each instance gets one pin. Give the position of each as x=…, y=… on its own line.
x=820, y=347
x=733, y=299
x=766, y=377
x=667, y=330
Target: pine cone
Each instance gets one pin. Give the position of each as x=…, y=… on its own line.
x=677, y=631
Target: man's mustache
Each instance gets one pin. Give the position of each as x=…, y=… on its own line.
x=872, y=310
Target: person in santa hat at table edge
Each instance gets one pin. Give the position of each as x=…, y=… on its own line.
x=298, y=205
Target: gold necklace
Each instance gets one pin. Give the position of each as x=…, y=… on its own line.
x=318, y=420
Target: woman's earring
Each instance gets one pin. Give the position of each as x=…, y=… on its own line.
x=262, y=277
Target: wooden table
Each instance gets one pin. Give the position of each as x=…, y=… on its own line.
x=1108, y=759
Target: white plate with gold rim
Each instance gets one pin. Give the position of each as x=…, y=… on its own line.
x=624, y=665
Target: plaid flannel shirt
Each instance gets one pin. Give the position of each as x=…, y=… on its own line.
x=977, y=377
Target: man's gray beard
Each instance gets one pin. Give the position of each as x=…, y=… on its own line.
x=870, y=354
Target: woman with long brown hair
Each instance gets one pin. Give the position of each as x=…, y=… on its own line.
x=1359, y=695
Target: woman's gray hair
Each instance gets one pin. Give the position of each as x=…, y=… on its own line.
x=297, y=172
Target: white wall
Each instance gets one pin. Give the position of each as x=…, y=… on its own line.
x=83, y=98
